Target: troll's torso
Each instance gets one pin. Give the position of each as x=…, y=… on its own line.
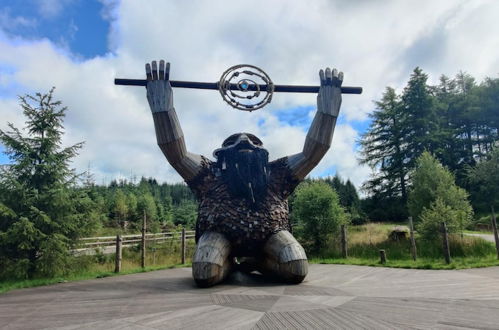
x=246, y=226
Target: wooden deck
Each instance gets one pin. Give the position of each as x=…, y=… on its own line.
x=332, y=296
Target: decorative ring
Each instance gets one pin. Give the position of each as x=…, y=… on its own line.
x=239, y=87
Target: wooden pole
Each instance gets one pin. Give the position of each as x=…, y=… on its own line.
x=117, y=267
x=494, y=227
x=445, y=239
x=143, y=246
x=344, y=242
x=183, y=246
x=413, y=240
x=382, y=256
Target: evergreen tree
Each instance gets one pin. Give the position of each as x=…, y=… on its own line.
x=42, y=213
x=383, y=148
x=185, y=214
x=466, y=115
x=434, y=193
x=485, y=180
x=147, y=205
x=120, y=208
x=420, y=118
x=488, y=102
x=449, y=149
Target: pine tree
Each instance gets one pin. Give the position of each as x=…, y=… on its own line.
x=420, y=119
x=485, y=180
x=383, y=148
x=43, y=215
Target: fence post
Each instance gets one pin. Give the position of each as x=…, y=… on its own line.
x=117, y=266
x=494, y=227
x=183, y=246
x=445, y=239
x=143, y=246
x=344, y=242
x=413, y=240
x=382, y=256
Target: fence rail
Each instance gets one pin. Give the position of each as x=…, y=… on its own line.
x=88, y=245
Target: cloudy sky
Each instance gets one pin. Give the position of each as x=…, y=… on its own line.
x=80, y=46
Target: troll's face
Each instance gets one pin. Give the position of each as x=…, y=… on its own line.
x=244, y=166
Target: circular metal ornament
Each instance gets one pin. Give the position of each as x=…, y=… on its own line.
x=246, y=87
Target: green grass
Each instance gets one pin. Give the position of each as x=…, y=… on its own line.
x=478, y=232
x=420, y=263
x=364, y=243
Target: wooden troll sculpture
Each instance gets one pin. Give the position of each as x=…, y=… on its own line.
x=243, y=208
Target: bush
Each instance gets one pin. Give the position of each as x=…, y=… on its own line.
x=435, y=198
x=317, y=209
x=431, y=219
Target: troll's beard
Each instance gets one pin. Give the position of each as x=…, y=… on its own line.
x=245, y=173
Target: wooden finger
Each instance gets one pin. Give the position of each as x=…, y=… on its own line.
x=154, y=70
x=329, y=77
x=148, y=71
x=161, y=70
x=321, y=75
x=167, y=71
x=335, y=74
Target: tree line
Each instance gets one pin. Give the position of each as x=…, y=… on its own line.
x=457, y=121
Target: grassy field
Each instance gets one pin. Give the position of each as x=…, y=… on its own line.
x=364, y=243
x=478, y=232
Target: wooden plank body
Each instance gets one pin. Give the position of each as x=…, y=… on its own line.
x=211, y=264
x=317, y=143
x=285, y=258
x=171, y=142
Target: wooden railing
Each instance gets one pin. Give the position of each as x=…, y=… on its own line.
x=91, y=243
x=115, y=244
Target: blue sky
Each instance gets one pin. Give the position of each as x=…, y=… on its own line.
x=80, y=46
x=77, y=25
x=80, y=27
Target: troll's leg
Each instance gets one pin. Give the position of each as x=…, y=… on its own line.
x=211, y=264
x=285, y=257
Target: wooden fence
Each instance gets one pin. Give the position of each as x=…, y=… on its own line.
x=91, y=243
x=114, y=244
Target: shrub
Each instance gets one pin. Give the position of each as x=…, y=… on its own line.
x=317, y=209
x=435, y=198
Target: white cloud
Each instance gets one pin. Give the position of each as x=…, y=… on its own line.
x=375, y=43
x=11, y=23
x=51, y=8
